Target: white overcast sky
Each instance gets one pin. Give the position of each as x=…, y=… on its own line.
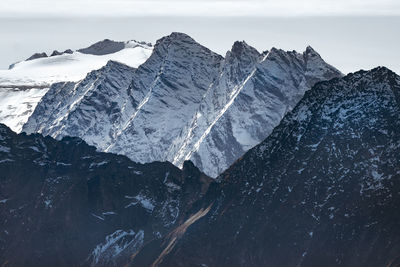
x=271, y=8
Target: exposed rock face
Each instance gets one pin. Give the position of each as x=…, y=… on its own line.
x=64, y=204
x=68, y=51
x=37, y=55
x=12, y=65
x=321, y=190
x=103, y=47
x=184, y=103
x=55, y=53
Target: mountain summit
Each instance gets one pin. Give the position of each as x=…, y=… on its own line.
x=103, y=48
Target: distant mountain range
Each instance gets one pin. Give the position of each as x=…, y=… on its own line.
x=184, y=102
x=321, y=190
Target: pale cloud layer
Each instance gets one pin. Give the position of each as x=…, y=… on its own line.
x=267, y=8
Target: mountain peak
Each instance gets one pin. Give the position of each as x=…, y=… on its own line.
x=310, y=50
x=376, y=70
x=56, y=53
x=240, y=48
x=104, y=47
x=380, y=73
x=180, y=36
x=178, y=42
x=383, y=70
x=37, y=55
x=115, y=64
x=276, y=52
x=310, y=53
x=243, y=54
x=176, y=37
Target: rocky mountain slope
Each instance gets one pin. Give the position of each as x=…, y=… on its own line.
x=64, y=204
x=25, y=83
x=321, y=190
x=184, y=103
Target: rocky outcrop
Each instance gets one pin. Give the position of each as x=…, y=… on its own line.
x=103, y=48
x=36, y=56
x=56, y=53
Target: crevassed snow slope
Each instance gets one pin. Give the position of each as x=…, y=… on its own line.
x=22, y=87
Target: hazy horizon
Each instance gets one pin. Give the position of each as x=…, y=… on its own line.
x=348, y=43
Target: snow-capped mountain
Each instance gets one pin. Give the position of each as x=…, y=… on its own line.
x=24, y=84
x=321, y=190
x=184, y=103
x=74, y=66
x=64, y=204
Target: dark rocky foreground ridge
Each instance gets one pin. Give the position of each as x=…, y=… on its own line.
x=64, y=204
x=322, y=190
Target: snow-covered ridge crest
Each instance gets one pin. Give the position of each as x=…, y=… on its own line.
x=184, y=102
x=23, y=85
x=76, y=65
